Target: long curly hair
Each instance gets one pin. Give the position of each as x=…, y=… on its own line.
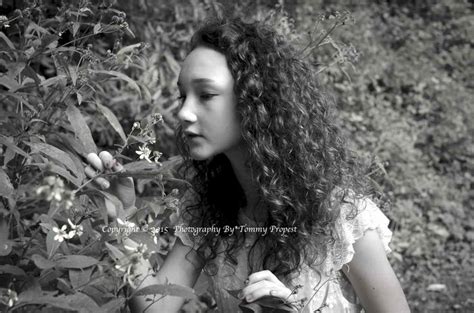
x=297, y=155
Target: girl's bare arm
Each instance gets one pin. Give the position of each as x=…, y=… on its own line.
x=373, y=278
x=179, y=268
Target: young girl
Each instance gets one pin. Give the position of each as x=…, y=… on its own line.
x=270, y=170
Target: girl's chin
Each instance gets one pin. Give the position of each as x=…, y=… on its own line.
x=199, y=155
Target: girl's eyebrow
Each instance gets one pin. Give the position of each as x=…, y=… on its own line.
x=199, y=80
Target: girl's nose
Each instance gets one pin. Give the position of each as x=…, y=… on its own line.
x=186, y=113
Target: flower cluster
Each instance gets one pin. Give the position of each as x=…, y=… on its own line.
x=62, y=234
x=135, y=262
x=145, y=153
x=54, y=190
x=8, y=297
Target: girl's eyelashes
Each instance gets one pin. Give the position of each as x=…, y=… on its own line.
x=207, y=96
x=203, y=97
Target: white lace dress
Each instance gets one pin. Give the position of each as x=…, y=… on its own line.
x=328, y=292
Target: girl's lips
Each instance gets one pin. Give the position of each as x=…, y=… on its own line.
x=191, y=134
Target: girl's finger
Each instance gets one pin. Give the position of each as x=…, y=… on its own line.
x=107, y=159
x=102, y=182
x=264, y=275
x=90, y=172
x=95, y=161
x=264, y=288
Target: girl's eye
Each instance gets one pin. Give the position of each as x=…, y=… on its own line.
x=207, y=96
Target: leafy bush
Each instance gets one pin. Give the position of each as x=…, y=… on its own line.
x=62, y=66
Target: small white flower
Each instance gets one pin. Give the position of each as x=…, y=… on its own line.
x=12, y=297
x=76, y=229
x=156, y=156
x=136, y=125
x=61, y=233
x=139, y=249
x=125, y=223
x=144, y=153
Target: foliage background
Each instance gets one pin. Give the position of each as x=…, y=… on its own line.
x=402, y=74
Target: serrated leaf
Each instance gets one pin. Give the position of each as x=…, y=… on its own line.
x=120, y=76
x=76, y=261
x=168, y=290
x=6, y=187
x=113, y=120
x=81, y=129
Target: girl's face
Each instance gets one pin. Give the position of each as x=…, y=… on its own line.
x=208, y=113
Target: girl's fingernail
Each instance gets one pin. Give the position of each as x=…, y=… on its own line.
x=117, y=166
x=105, y=185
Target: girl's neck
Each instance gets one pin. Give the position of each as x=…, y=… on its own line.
x=243, y=173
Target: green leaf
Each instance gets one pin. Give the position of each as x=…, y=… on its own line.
x=53, y=168
x=110, y=116
x=8, y=141
x=61, y=78
x=75, y=28
x=73, y=74
x=9, y=83
x=11, y=269
x=77, y=302
x=80, y=277
x=51, y=244
x=5, y=244
x=76, y=261
x=97, y=28
x=8, y=42
x=128, y=49
x=167, y=290
x=113, y=306
x=79, y=97
x=42, y=263
x=53, y=153
x=121, y=76
x=6, y=187
x=115, y=253
x=81, y=129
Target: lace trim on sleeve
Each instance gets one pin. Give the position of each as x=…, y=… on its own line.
x=350, y=230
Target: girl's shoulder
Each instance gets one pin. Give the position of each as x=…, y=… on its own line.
x=356, y=217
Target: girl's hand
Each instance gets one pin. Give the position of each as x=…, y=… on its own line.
x=121, y=187
x=265, y=283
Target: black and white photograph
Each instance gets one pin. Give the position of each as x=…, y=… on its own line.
x=245, y=156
